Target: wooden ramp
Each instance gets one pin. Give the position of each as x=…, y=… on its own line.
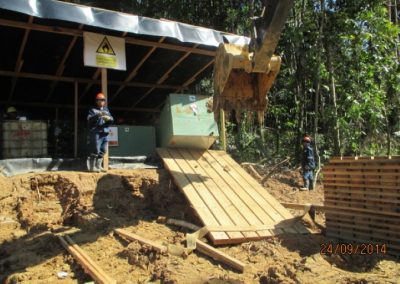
x=225, y=196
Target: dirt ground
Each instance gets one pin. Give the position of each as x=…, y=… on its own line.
x=33, y=207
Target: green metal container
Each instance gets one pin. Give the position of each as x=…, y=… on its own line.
x=186, y=122
x=134, y=141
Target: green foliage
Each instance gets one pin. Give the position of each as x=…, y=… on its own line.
x=347, y=46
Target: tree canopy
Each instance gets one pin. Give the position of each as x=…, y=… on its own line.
x=340, y=79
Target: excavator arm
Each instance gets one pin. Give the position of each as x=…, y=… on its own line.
x=243, y=75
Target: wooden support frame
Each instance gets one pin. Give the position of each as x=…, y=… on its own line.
x=129, y=40
x=189, y=81
x=75, y=119
x=61, y=66
x=133, y=73
x=19, y=62
x=89, y=85
x=104, y=90
x=164, y=76
x=80, y=80
x=64, y=106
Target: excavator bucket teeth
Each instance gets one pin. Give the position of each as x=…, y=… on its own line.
x=242, y=79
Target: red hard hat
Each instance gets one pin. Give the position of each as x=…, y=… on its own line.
x=307, y=139
x=100, y=96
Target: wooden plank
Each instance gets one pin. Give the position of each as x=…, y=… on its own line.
x=358, y=180
x=219, y=255
x=364, y=160
x=211, y=200
x=382, y=212
x=365, y=204
x=85, y=261
x=359, y=197
x=274, y=208
x=365, y=191
x=373, y=234
x=360, y=173
x=141, y=240
x=248, y=181
x=217, y=187
x=233, y=191
x=354, y=213
x=191, y=194
x=241, y=196
x=384, y=228
x=364, y=167
x=371, y=226
x=362, y=202
x=331, y=184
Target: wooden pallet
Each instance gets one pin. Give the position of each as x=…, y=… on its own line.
x=363, y=195
x=225, y=196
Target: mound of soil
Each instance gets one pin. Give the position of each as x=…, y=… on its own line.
x=89, y=206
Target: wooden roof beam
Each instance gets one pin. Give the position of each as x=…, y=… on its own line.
x=190, y=80
x=89, y=85
x=129, y=40
x=61, y=66
x=164, y=77
x=65, y=106
x=133, y=73
x=20, y=62
x=81, y=80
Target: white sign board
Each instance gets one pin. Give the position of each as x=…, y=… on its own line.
x=113, y=136
x=104, y=51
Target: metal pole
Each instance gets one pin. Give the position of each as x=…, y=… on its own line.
x=223, y=129
x=104, y=91
x=76, y=122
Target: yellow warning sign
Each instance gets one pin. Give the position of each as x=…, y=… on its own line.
x=104, y=51
x=105, y=47
x=106, y=61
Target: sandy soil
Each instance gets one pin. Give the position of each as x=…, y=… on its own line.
x=89, y=206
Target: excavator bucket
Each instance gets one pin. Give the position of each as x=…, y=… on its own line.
x=243, y=75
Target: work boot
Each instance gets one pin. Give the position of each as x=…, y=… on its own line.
x=306, y=185
x=90, y=163
x=99, y=168
x=311, y=187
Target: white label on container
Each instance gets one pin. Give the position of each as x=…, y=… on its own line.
x=113, y=136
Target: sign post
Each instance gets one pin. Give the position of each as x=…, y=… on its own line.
x=105, y=52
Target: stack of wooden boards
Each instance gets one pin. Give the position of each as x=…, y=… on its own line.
x=226, y=198
x=362, y=197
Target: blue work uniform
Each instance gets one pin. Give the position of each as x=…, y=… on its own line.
x=308, y=166
x=99, y=130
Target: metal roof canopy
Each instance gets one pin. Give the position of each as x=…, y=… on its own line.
x=42, y=56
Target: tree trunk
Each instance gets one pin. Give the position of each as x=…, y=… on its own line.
x=332, y=89
x=318, y=93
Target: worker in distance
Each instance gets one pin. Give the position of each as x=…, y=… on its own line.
x=99, y=121
x=307, y=164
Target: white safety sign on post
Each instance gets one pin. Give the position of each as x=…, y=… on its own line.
x=113, y=136
x=104, y=51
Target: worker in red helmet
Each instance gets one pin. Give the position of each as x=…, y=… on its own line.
x=307, y=164
x=99, y=120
